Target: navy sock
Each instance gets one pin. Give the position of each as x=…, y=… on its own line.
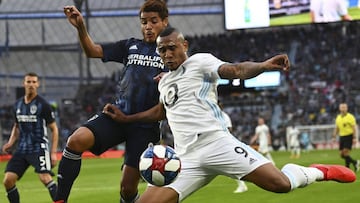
x=51, y=186
x=348, y=160
x=69, y=169
x=13, y=195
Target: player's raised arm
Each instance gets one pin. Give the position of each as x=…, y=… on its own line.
x=248, y=69
x=91, y=49
x=156, y=113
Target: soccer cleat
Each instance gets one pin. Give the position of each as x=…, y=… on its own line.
x=337, y=173
x=60, y=201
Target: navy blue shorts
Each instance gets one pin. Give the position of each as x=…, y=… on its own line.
x=19, y=163
x=109, y=133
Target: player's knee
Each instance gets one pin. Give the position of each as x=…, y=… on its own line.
x=82, y=139
x=279, y=185
x=8, y=182
x=282, y=187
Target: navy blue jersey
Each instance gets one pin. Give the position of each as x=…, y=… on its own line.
x=136, y=90
x=32, y=119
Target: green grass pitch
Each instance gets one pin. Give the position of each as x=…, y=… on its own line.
x=304, y=18
x=99, y=182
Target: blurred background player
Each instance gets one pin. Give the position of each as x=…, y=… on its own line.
x=346, y=128
x=323, y=11
x=32, y=114
x=241, y=186
x=292, y=136
x=136, y=91
x=263, y=138
x=305, y=142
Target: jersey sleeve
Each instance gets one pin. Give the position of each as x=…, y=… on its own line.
x=115, y=51
x=14, y=113
x=352, y=120
x=48, y=114
x=209, y=64
x=212, y=63
x=342, y=8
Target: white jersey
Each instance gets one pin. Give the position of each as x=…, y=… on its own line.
x=328, y=10
x=227, y=119
x=263, y=131
x=293, y=137
x=189, y=95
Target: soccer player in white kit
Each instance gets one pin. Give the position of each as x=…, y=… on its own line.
x=292, y=136
x=188, y=98
x=263, y=138
x=323, y=11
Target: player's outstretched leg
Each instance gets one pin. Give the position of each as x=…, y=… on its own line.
x=301, y=176
x=337, y=173
x=69, y=169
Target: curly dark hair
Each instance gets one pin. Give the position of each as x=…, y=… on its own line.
x=158, y=6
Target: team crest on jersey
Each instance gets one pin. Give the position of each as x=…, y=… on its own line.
x=33, y=109
x=171, y=95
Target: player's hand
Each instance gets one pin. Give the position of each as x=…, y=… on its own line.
x=113, y=112
x=53, y=159
x=6, y=148
x=74, y=16
x=278, y=62
x=159, y=76
x=333, y=139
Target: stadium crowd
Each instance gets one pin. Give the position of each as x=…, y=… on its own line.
x=324, y=72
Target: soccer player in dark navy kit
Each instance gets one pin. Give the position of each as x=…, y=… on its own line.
x=32, y=117
x=137, y=91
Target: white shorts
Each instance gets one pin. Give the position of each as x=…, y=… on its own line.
x=263, y=148
x=205, y=160
x=294, y=143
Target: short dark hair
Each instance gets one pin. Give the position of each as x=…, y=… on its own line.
x=168, y=31
x=32, y=74
x=158, y=6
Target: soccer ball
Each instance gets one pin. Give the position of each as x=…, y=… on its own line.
x=159, y=165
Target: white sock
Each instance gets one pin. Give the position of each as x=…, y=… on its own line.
x=301, y=176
